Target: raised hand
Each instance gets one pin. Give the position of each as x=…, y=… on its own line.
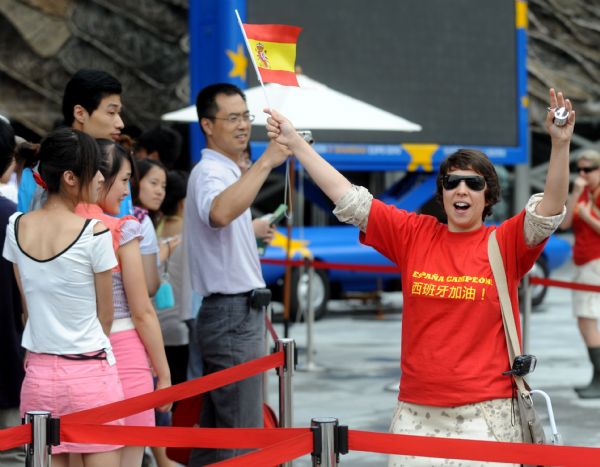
x=560, y=133
x=281, y=130
x=556, y=188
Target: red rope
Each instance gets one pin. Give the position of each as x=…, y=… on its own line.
x=125, y=408
x=338, y=266
x=564, y=284
x=278, y=445
x=275, y=454
x=178, y=437
x=14, y=437
x=394, y=270
x=490, y=451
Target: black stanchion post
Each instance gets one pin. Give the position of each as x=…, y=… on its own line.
x=324, y=434
x=38, y=452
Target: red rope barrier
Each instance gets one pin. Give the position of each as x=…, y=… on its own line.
x=394, y=270
x=121, y=409
x=15, y=437
x=564, y=284
x=278, y=445
x=178, y=437
x=338, y=266
x=491, y=451
x=275, y=454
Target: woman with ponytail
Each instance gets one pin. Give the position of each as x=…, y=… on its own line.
x=63, y=264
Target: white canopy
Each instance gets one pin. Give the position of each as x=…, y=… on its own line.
x=312, y=106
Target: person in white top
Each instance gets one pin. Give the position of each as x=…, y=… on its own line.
x=63, y=265
x=224, y=264
x=148, y=194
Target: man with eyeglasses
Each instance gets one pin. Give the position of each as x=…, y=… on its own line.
x=223, y=260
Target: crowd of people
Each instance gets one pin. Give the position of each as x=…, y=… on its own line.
x=110, y=252
x=97, y=305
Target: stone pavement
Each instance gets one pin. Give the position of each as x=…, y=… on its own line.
x=358, y=356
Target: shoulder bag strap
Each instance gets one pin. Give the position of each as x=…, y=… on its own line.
x=510, y=328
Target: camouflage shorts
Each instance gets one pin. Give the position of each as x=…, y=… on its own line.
x=489, y=421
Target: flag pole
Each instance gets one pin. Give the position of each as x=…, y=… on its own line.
x=252, y=58
x=289, y=169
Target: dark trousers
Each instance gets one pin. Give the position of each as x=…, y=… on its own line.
x=229, y=332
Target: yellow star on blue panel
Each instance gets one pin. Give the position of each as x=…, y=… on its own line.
x=239, y=63
x=421, y=155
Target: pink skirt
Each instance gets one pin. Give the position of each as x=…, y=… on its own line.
x=62, y=386
x=134, y=372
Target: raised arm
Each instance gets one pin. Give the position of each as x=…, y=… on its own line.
x=556, y=188
x=333, y=183
x=238, y=197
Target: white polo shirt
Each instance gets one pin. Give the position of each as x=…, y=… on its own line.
x=221, y=260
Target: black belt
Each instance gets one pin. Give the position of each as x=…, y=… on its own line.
x=230, y=295
x=100, y=355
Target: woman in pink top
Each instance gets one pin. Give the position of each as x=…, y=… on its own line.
x=135, y=335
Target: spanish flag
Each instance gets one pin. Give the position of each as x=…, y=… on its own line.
x=273, y=48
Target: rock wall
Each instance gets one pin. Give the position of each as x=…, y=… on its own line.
x=144, y=43
x=564, y=52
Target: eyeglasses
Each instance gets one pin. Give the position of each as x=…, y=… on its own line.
x=474, y=182
x=586, y=170
x=235, y=119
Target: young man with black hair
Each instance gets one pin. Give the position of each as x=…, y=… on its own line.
x=92, y=104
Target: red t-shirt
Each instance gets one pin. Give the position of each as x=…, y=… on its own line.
x=587, y=241
x=453, y=343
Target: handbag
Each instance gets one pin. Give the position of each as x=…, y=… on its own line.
x=164, y=298
x=533, y=431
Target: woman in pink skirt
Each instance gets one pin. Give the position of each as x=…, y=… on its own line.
x=63, y=267
x=135, y=335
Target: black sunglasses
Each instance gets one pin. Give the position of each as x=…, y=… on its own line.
x=586, y=170
x=474, y=182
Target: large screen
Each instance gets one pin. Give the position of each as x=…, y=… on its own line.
x=450, y=66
